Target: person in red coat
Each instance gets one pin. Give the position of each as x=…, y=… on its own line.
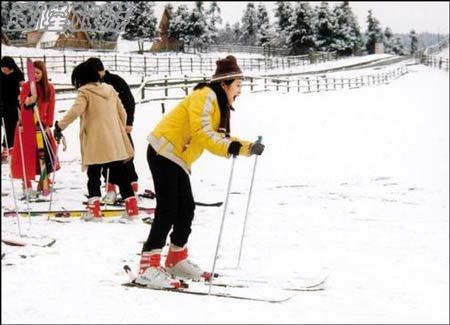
x=25, y=134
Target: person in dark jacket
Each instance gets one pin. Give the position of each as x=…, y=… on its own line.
x=125, y=95
x=11, y=81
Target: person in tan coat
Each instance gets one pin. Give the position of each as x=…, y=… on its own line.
x=103, y=139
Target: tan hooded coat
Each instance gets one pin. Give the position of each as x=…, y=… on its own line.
x=103, y=137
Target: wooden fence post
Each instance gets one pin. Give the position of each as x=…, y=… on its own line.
x=157, y=65
x=64, y=63
x=166, y=90
x=145, y=65
x=115, y=62
x=143, y=89
x=169, y=65
x=185, y=83
x=192, y=67
x=131, y=70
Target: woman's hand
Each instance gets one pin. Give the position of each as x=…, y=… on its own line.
x=30, y=100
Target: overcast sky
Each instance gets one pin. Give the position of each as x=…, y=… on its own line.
x=400, y=16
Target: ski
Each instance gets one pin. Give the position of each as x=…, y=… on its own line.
x=39, y=133
x=73, y=213
x=202, y=289
x=204, y=292
x=21, y=243
x=203, y=204
x=296, y=284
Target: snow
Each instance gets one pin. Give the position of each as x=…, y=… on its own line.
x=353, y=185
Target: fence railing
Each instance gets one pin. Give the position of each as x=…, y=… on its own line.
x=180, y=86
x=263, y=50
x=435, y=61
x=175, y=88
x=153, y=65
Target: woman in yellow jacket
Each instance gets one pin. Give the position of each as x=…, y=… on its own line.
x=200, y=121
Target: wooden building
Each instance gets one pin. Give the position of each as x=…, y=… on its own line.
x=165, y=42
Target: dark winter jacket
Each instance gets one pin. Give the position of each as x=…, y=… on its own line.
x=10, y=89
x=125, y=94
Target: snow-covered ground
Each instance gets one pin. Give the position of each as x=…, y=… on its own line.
x=354, y=184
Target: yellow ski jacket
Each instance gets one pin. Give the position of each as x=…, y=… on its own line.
x=191, y=127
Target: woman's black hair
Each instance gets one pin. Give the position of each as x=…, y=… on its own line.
x=222, y=100
x=83, y=74
x=9, y=63
x=96, y=63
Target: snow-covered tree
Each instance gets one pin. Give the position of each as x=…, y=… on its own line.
x=414, y=42
x=143, y=23
x=301, y=38
x=249, y=25
x=374, y=33
x=213, y=19
x=179, y=26
x=263, y=33
x=325, y=28
x=348, y=39
x=283, y=13
x=397, y=47
x=388, y=40
x=197, y=35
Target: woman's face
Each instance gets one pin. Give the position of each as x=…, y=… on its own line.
x=233, y=90
x=37, y=74
x=7, y=70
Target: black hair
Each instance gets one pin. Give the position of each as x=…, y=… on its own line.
x=9, y=63
x=96, y=63
x=222, y=100
x=83, y=74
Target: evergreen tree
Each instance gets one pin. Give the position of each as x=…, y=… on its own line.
x=213, y=19
x=179, y=26
x=263, y=34
x=388, y=42
x=414, y=42
x=283, y=13
x=143, y=23
x=237, y=33
x=373, y=33
x=301, y=29
x=325, y=27
x=397, y=47
x=348, y=39
x=225, y=35
x=249, y=25
x=196, y=33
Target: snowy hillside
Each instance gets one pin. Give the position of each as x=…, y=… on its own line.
x=353, y=185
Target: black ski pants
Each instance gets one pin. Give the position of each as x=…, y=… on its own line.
x=128, y=168
x=10, y=120
x=116, y=167
x=174, y=203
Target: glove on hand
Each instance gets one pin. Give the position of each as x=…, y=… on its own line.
x=57, y=132
x=234, y=148
x=256, y=148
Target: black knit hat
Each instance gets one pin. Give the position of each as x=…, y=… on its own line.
x=227, y=69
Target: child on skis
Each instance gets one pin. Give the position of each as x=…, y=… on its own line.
x=103, y=138
x=200, y=121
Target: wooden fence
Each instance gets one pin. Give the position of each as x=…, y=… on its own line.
x=435, y=62
x=179, y=87
x=151, y=65
x=176, y=88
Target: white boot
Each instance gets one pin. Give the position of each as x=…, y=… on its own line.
x=111, y=194
x=178, y=265
x=152, y=275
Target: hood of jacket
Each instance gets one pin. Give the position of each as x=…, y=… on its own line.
x=99, y=89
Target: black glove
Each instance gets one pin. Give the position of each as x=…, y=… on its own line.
x=57, y=132
x=256, y=148
x=234, y=148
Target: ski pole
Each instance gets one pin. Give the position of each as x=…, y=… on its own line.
x=223, y=219
x=20, y=130
x=12, y=182
x=56, y=161
x=248, y=204
x=106, y=186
